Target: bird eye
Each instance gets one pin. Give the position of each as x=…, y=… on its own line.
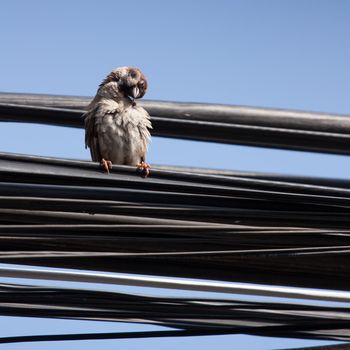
x=133, y=74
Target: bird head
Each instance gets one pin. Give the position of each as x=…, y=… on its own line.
x=131, y=81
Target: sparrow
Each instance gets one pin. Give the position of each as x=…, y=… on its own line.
x=116, y=128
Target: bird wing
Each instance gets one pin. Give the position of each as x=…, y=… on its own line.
x=91, y=139
x=145, y=136
x=91, y=118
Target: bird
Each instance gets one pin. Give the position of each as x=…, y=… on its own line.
x=117, y=130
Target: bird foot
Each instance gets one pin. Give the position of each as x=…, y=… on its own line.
x=106, y=165
x=143, y=168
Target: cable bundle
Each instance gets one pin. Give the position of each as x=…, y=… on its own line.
x=197, y=223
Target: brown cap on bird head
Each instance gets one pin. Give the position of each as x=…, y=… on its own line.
x=130, y=80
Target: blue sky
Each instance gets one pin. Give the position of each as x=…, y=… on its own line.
x=286, y=54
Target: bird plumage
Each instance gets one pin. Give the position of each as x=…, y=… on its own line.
x=116, y=128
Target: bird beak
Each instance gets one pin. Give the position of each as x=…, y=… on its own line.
x=135, y=92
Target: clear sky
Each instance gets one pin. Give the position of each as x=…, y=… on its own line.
x=288, y=54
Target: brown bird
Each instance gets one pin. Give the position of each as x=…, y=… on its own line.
x=116, y=128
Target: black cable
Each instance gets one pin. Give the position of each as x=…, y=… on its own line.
x=218, y=123
x=194, y=316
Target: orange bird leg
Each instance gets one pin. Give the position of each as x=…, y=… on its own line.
x=143, y=168
x=106, y=165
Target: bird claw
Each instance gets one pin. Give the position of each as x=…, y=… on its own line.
x=106, y=165
x=143, y=168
